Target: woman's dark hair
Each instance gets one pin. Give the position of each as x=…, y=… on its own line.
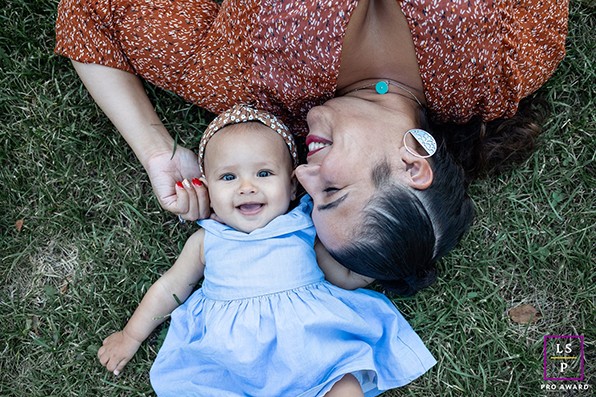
x=487, y=148
x=406, y=231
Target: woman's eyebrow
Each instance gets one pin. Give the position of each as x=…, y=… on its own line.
x=332, y=204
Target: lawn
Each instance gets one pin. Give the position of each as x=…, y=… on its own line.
x=82, y=237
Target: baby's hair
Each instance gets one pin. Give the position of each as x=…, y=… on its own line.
x=254, y=126
x=241, y=114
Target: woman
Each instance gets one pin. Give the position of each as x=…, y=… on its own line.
x=382, y=207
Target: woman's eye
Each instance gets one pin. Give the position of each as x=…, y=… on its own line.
x=228, y=177
x=330, y=190
x=263, y=174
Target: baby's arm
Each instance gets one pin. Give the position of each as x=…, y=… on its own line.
x=161, y=299
x=338, y=274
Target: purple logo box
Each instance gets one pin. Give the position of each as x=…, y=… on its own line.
x=580, y=356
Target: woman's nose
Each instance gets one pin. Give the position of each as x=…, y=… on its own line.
x=308, y=176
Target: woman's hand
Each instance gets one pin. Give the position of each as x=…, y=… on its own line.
x=175, y=182
x=122, y=97
x=117, y=350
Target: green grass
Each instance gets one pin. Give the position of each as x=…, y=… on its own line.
x=94, y=238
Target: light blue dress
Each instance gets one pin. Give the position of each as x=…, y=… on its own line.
x=266, y=323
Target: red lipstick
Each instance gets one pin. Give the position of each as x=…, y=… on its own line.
x=316, y=143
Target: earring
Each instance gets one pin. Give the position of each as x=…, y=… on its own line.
x=425, y=139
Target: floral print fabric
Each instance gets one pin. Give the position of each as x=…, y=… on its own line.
x=476, y=57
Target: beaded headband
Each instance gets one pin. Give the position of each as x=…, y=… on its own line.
x=242, y=114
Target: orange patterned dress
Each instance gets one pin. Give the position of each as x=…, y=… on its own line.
x=476, y=57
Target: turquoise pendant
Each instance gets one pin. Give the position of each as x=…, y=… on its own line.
x=382, y=87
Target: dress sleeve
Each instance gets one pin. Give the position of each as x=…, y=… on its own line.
x=153, y=39
x=85, y=33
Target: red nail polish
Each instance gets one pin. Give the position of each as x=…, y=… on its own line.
x=180, y=185
x=196, y=181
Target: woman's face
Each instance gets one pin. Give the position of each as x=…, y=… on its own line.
x=347, y=137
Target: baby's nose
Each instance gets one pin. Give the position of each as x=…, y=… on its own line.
x=247, y=187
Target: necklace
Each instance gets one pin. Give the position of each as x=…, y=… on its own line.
x=382, y=87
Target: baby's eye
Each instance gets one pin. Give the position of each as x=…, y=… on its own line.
x=263, y=174
x=228, y=177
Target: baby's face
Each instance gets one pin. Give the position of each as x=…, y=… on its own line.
x=248, y=171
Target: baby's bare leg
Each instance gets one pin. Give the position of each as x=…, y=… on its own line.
x=347, y=386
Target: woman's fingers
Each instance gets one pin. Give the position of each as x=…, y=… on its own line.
x=182, y=200
x=203, y=203
x=192, y=211
x=165, y=169
x=193, y=200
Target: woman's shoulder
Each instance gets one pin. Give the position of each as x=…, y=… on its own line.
x=482, y=58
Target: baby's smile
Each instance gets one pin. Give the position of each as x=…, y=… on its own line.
x=249, y=209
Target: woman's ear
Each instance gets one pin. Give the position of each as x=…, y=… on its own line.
x=419, y=173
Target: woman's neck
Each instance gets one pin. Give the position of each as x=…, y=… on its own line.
x=378, y=45
x=385, y=86
x=398, y=103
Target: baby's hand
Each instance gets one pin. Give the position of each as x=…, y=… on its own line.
x=117, y=350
